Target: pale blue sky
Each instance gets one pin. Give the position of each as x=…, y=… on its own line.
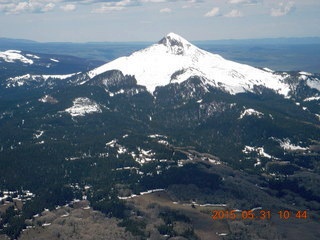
x=149, y=20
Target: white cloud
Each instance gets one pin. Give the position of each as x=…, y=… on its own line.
x=106, y=8
x=213, y=12
x=48, y=7
x=68, y=7
x=34, y=6
x=98, y=6
x=114, y=6
x=283, y=9
x=234, y=14
x=166, y=10
x=20, y=7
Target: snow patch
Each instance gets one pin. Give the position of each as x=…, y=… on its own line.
x=250, y=112
x=121, y=150
x=222, y=234
x=65, y=215
x=259, y=150
x=38, y=134
x=314, y=83
x=305, y=73
x=311, y=99
x=268, y=70
x=83, y=106
x=161, y=139
x=163, y=142
x=143, y=156
x=126, y=168
x=48, y=99
x=288, y=146
x=258, y=163
x=19, y=81
x=114, y=144
x=152, y=191
x=33, y=56
x=13, y=56
x=59, y=77
x=21, y=195
x=157, y=136
x=142, y=193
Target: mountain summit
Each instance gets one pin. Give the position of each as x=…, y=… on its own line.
x=175, y=43
x=174, y=59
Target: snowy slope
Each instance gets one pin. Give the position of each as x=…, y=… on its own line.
x=15, y=55
x=174, y=59
x=28, y=78
x=82, y=106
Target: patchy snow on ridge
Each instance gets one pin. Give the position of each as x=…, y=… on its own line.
x=143, y=156
x=38, y=134
x=157, y=136
x=304, y=76
x=19, y=81
x=141, y=193
x=288, y=146
x=23, y=195
x=250, y=112
x=114, y=144
x=83, y=106
x=305, y=73
x=48, y=99
x=313, y=83
x=174, y=59
x=161, y=139
x=61, y=77
x=268, y=70
x=15, y=55
x=259, y=150
x=311, y=99
x=32, y=56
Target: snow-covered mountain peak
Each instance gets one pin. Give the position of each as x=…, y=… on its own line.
x=174, y=60
x=175, y=43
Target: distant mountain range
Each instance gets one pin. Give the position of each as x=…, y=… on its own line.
x=289, y=40
x=275, y=53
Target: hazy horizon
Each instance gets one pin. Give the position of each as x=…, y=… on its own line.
x=285, y=40
x=148, y=20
